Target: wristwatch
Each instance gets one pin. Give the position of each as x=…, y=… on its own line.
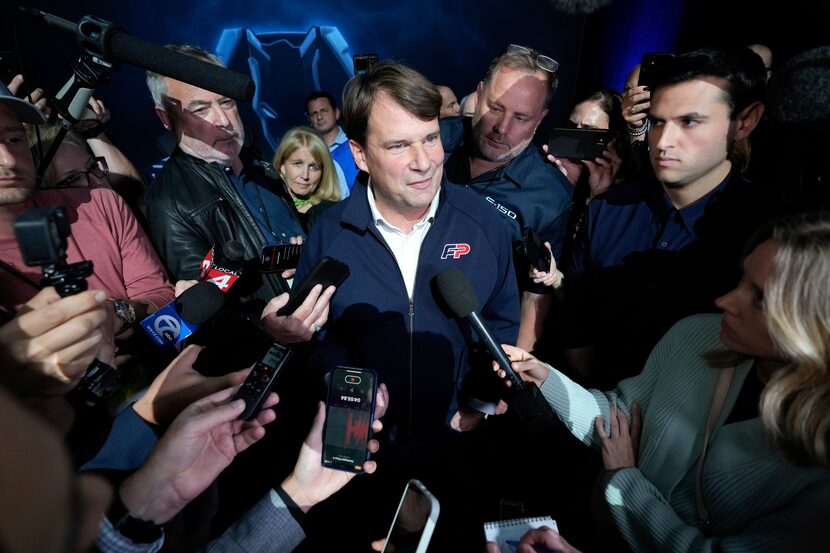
x=125, y=311
x=132, y=528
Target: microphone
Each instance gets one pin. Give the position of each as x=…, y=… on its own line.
x=102, y=38
x=525, y=400
x=223, y=266
x=176, y=321
x=457, y=291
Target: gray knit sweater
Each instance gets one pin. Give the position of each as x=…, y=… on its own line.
x=757, y=501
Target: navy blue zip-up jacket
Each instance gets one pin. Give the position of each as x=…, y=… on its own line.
x=418, y=349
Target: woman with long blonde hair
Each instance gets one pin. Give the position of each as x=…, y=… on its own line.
x=305, y=164
x=721, y=442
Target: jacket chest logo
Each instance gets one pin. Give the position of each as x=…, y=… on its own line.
x=455, y=250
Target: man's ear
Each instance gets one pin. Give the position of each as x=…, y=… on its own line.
x=337, y=114
x=165, y=118
x=542, y=118
x=358, y=155
x=748, y=119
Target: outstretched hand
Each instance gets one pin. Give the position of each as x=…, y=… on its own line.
x=301, y=325
x=48, y=346
x=179, y=385
x=529, y=368
x=200, y=443
x=310, y=482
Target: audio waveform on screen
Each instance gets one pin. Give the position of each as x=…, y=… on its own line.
x=357, y=428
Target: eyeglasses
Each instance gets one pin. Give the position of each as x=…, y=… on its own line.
x=96, y=167
x=546, y=63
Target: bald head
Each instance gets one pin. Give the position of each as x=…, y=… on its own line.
x=449, y=102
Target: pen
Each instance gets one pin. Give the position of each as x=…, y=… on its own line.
x=539, y=548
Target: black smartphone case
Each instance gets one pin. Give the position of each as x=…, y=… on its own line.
x=328, y=272
x=535, y=251
x=578, y=143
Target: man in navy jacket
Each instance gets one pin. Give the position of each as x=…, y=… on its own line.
x=396, y=233
x=400, y=228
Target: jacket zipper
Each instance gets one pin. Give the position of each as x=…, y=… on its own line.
x=411, y=364
x=411, y=300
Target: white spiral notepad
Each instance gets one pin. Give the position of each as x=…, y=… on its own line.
x=502, y=531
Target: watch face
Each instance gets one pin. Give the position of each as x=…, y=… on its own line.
x=124, y=310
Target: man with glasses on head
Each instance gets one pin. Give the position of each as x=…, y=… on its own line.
x=491, y=154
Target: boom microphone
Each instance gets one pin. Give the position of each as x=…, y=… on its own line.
x=112, y=43
x=526, y=401
x=173, y=323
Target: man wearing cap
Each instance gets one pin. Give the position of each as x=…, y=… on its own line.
x=125, y=265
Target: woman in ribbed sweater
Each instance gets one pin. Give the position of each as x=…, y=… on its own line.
x=702, y=471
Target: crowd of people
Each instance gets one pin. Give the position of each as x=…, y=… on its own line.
x=682, y=327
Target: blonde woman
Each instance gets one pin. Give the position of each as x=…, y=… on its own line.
x=305, y=164
x=707, y=469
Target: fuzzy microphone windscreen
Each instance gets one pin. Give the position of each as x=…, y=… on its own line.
x=799, y=92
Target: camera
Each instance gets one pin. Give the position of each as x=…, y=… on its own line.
x=41, y=235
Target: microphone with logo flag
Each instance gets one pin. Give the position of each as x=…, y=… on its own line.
x=223, y=265
x=524, y=399
x=177, y=320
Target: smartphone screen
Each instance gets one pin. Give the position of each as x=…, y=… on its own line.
x=279, y=257
x=414, y=521
x=349, y=411
x=363, y=62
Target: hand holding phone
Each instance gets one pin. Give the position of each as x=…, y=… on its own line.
x=535, y=251
x=350, y=410
x=261, y=379
x=327, y=272
x=414, y=521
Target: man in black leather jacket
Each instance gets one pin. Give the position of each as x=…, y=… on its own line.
x=211, y=189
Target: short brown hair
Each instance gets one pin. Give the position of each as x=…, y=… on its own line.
x=404, y=85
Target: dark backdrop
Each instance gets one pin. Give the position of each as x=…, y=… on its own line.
x=451, y=42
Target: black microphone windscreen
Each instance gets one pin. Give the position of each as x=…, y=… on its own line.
x=579, y=7
x=156, y=58
x=233, y=250
x=457, y=291
x=200, y=302
x=799, y=92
